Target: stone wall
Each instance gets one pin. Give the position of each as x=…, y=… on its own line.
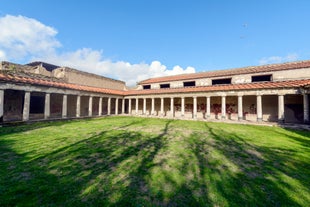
x=88, y=79
x=242, y=78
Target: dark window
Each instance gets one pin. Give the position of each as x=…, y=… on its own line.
x=221, y=81
x=261, y=78
x=37, y=104
x=189, y=83
x=147, y=87
x=165, y=85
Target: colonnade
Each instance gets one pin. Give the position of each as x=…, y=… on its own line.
x=149, y=102
x=64, y=112
x=240, y=115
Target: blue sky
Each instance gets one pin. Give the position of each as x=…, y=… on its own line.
x=133, y=40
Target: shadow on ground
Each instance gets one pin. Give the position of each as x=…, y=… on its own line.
x=124, y=167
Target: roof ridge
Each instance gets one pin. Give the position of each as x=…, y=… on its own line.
x=231, y=71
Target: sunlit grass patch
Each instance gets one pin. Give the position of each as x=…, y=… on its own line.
x=126, y=161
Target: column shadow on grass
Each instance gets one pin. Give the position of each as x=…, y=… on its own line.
x=83, y=173
x=259, y=179
x=111, y=168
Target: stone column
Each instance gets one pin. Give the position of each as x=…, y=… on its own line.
x=144, y=106
x=100, y=107
x=109, y=106
x=123, y=106
x=172, y=106
x=78, y=106
x=90, y=106
x=223, y=107
x=116, y=106
x=153, y=107
x=129, y=106
x=240, y=108
x=26, y=106
x=182, y=107
x=64, y=105
x=137, y=106
x=281, y=117
x=47, y=106
x=306, y=108
x=259, y=108
x=195, y=107
x=161, y=106
x=1, y=104
x=208, y=110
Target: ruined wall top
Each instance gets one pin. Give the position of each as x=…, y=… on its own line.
x=66, y=74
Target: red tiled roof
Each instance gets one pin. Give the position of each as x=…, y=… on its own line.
x=244, y=86
x=44, y=82
x=230, y=72
x=247, y=86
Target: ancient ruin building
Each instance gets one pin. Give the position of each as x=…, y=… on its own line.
x=42, y=91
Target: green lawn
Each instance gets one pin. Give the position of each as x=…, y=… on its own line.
x=126, y=161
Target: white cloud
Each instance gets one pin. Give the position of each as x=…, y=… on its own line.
x=92, y=61
x=22, y=37
x=278, y=59
x=2, y=55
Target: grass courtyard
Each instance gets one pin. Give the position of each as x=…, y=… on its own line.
x=126, y=161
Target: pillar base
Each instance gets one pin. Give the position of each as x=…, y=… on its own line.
x=240, y=118
x=281, y=121
x=223, y=117
x=259, y=119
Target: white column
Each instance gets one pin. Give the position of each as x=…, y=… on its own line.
x=195, y=107
x=47, y=106
x=1, y=104
x=162, y=106
x=306, y=108
x=109, y=106
x=100, y=107
x=90, y=106
x=144, y=106
x=129, y=106
x=153, y=107
x=208, y=107
x=172, y=106
x=78, y=106
x=281, y=108
x=123, y=106
x=182, y=106
x=116, y=106
x=223, y=107
x=137, y=106
x=240, y=108
x=259, y=108
x=64, y=105
x=26, y=106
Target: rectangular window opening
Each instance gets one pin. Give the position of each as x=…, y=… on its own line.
x=165, y=85
x=221, y=81
x=147, y=87
x=189, y=83
x=261, y=78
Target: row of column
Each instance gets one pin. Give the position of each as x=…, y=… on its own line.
x=26, y=106
x=78, y=106
x=223, y=107
x=27, y=97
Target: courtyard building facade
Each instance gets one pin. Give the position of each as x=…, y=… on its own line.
x=268, y=93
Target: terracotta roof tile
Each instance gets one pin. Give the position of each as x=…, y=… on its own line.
x=245, y=86
x=230, y=72
x=36, y=81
